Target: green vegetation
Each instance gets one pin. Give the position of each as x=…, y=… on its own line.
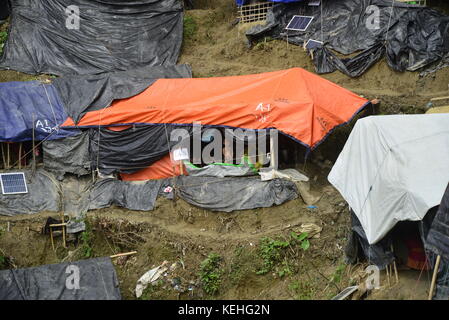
x=190, y=27
x=302, y=290
x=273, y=252
x=338, y=274
x=210, y=274
x=86, y=245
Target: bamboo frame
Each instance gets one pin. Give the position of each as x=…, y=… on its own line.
x=254, y=12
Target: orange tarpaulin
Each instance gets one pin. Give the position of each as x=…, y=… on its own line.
x=164, y=168
x=294, y=101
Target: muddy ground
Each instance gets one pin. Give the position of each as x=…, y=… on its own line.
x=257, y=255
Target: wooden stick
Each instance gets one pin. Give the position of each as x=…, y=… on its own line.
x=34, y=150
x=273, y=152
x=51, y=237
x=395, y=267
x=388, y=275
x=434, y=277
x=7, y=155
x=123, y=254
x=440, y=98
x=3, y=156
x=20, y=155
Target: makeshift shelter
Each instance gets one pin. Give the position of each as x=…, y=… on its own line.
x=356, y=34
x=291, y=101
x=390, y=171
x=85, y=37
x=394, y=169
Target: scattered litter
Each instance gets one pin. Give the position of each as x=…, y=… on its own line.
x=346, y=293
x=312, y=207
x=312, y=230
x=150, y=277
x=168, y=189
x=289, y=174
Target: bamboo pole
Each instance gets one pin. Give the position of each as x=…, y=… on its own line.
x=20, y=155
x=123, y=254
x=434, y=277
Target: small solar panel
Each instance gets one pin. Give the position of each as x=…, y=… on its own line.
x=313, y=44
x=13, y=183
x=299, y=23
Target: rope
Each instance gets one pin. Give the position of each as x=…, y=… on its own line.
x=51, y=106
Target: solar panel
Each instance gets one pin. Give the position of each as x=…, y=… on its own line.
x=299, y=23
x=13, y=183
x=313, y=44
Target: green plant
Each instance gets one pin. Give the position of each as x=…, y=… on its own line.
x=272, y=252
x=86, y=238
x=210, y=273
x=337, y=275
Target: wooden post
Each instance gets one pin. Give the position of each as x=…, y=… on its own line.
x=20, y=155
x=434, y=277
x=51, y=238
x=3, y=156
x=7, y=155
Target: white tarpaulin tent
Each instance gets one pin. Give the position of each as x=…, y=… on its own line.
x=393, y=168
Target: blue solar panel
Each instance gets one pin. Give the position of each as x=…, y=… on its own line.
x=299, y=23
x=13, y=183
x=313, y=44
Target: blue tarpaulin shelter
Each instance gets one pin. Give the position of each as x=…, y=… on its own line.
x=24, y=105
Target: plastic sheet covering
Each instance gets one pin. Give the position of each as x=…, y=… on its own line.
x=43, y=195
x=129, y=150
x=69, y=155
x=437, y=239
x=64, y=37
x=140, y=196
x=28, y=104
x=83, y=93
x=411, y=37
x=384, y=173
x=93, y=279
x=229, y=194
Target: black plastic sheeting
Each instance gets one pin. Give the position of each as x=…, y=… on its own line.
x=130, y=150
x=140, y=196
x=234, y=193
x=411, y=37
x=97, y=281
x=43, y=195
x=358, y=247
x=437, y=240
x=84, y=93
x=70, y=155
x=4, y=10
x=112, y=35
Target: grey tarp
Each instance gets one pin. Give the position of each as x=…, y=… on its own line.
x=130, y=195
x=83, y=93
x=69, y=155
x=229, y=194
x=43, y=195
x=112, y=35
x=97, y=281
x=220, y=170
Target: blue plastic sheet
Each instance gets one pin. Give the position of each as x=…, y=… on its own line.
x=24, y=105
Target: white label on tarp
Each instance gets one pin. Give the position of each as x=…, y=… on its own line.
x=181, y=154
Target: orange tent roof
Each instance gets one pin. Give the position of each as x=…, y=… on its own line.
x=294, y=101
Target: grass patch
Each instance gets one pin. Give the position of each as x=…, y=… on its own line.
x=274, y=252
x=190, y=27
x=86, y=242
x=302, y=290
x=211, y=273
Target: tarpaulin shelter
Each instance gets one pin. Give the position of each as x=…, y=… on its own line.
x=31, y=106
x=393, y=168
x=65, y=37
x=298, y=103
x=356, y=34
